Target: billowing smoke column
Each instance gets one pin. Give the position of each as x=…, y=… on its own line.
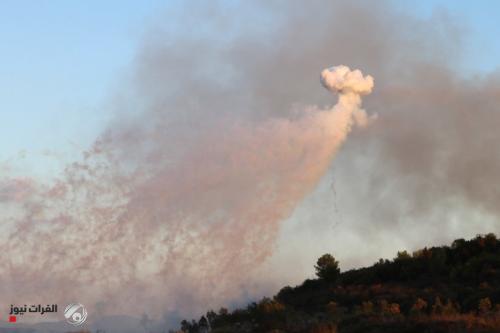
x=351, y=85
x=175, y=233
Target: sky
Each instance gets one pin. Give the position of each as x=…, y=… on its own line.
x=205, y=144
x=59, y=60
x=480, y=25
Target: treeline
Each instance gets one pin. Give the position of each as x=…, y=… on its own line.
x=439, y=289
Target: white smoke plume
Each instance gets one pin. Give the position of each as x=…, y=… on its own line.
x=342, y=79
x=170, y=233
x=351, y=85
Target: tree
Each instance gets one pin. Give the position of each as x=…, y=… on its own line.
x=394, y=309
x=367, y=307
x=211, y=318
x=402, y=255
x=484, y=305
x=450, y=308
x=419, y=307
x=438, y=306
x=203, y=326
x=327, y=268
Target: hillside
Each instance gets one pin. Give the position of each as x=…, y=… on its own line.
x=439, y=289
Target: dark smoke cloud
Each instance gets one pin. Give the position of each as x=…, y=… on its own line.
x=217, y=130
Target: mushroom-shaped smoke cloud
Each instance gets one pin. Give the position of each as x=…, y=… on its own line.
x=350, y=85
x=342, y=79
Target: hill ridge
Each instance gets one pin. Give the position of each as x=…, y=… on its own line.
x=452, y=288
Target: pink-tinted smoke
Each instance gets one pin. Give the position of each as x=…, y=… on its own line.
x=171, y=233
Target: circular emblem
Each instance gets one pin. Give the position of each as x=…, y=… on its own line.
x=75, y=314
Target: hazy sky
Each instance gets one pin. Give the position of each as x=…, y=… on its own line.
x=60, y=60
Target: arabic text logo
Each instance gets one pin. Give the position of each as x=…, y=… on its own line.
x=75, y=314
x=21, y=310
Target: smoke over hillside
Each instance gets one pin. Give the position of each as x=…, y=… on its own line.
x=158, y=231
x=217, y=142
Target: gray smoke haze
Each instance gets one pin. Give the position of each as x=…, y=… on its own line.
x=218, y=139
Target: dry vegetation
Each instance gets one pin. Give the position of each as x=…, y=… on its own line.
x=440, y=289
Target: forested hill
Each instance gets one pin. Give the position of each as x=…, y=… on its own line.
x=439, y=289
